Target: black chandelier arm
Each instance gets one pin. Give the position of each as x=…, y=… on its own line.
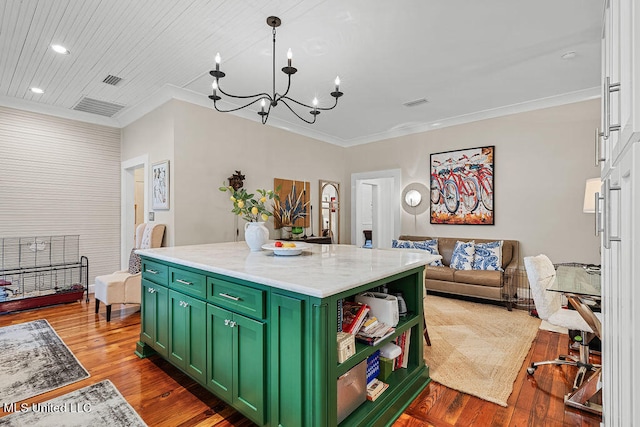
x=296, y=114
x=311, y=106
x=215, y=105
x=261, y=95
x=277, y=96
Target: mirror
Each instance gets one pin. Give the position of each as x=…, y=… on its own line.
x=330, y=210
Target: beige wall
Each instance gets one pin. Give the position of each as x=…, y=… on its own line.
x=206, y=147
x=542, y=159
x=210, y=147
x=153, y=134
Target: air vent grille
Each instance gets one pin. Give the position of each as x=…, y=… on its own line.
x=95, y=106
x=112, y=80
x=416, y=102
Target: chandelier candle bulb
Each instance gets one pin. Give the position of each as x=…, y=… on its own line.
x=337, y=83
x=289, y=56
x=218, y=61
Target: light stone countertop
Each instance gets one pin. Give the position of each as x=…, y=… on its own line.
x=322, y=271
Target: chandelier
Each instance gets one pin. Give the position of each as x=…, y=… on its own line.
x=267, y=101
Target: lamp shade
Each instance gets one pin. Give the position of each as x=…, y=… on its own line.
x=591, y=188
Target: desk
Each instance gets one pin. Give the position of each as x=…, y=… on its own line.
x=580, y=285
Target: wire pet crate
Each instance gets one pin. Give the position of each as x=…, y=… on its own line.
x=522, y=298
x=40, y=271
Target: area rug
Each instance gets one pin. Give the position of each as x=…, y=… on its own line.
x=477, y=348
x=99, y=404
x=34, y=360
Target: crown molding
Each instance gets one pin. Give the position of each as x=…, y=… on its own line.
x=169, y=92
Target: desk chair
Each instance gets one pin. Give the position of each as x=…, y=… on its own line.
x=542, y=274
x=125, y=287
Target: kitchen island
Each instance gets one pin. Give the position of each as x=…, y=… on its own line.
x=259, y=330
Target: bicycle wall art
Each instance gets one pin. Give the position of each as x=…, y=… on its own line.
x=462, y=186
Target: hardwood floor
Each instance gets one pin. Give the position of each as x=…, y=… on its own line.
x=163, y=396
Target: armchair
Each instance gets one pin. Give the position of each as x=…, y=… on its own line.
x=124, y=287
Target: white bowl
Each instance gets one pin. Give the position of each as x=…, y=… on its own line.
x=281, y=251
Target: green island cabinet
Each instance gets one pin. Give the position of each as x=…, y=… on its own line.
x=259, y=330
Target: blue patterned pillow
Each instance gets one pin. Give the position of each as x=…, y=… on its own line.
x=463, y=253
x=404, y=244
x=488, y=256
x=432, y=247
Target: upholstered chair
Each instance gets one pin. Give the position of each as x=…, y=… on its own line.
x=124, y=287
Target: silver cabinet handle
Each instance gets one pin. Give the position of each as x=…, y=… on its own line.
x=229, y=296
x=232, y=324
x=597, y=216
x=184, y=304
x=148, y=270
x=151, y=290
x=608, y=89
x=599, y=152
x=226, y=322
x=606, y=215
x=184, y=282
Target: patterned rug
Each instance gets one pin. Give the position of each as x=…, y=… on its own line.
x=477, y=348
x=99, y=404
x=34, y=360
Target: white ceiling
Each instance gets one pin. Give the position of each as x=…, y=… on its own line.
x=471, y=59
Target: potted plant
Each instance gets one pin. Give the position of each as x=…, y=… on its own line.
x=252, y=210
x=286, y=212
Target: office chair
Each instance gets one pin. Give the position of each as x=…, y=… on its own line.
x=542, y=274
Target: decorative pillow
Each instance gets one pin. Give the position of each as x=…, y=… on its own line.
x=430, y=246
x=404, y=244
x=134, y=262
x=462, y=258
x=488, y=256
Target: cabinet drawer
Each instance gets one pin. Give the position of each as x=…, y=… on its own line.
x=190, y=283
x=239, y=298
x=156, y=272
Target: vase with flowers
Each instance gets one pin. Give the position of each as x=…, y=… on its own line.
x=252, y=210
x=289, y=210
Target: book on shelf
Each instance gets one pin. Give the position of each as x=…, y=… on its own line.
x=403, y=341
x=375, y=340
x=375, y=388
x=353, y=315
x=340, y=315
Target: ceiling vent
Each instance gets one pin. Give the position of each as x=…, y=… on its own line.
x=112, y=80
x=415, y=102
x=95, y=106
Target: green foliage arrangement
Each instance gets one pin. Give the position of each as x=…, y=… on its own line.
x=247, y=206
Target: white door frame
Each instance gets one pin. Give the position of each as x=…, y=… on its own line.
x=127, y=211
x=386, y=213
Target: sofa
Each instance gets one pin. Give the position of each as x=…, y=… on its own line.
x=486, y=284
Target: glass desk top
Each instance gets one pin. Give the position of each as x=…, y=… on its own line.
x=577, y=280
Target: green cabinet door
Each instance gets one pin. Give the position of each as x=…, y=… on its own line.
x=236, y=361
x=220, y=352
x=287, y=355
x=187, y=334
x=250, y=367
x=154, y=317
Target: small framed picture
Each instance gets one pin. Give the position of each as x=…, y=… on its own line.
x=160, y=185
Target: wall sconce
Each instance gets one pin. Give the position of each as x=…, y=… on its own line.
x=414, y=200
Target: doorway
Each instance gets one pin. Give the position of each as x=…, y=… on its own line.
x=375, y=202
x=135, y=193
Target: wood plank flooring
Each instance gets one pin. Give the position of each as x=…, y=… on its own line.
x=164, y=396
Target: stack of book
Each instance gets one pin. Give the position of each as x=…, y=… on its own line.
x=375, y=388
x=373, y=331
x=403, y=341
x=354, y=315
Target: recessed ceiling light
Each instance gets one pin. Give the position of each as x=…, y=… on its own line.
x=37, y=90
x=60, y=49
x=568, y=55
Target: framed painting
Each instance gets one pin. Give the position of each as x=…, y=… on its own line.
x=293, y=207
x=461, y=186
x=160, y=182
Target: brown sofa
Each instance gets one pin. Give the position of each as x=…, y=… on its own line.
x=492, y=285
